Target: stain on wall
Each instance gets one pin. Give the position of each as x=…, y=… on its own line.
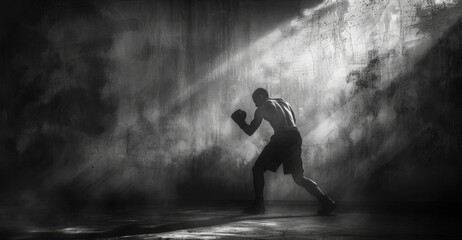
x=130, y=100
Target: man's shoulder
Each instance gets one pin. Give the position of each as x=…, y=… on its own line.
x=265, y=106
x=269, y=103
x=279, y=99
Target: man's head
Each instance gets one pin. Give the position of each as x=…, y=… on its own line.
x=259, y=96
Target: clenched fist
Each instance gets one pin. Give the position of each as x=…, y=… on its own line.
x=239, y=117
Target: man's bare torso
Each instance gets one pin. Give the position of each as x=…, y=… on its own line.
x=278, y=113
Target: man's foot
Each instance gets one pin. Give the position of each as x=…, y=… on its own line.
x=327, y=205
x=255, y=209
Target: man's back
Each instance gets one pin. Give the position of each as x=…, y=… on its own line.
x=278, y=113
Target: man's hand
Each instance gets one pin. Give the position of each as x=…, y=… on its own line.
x=239, y=117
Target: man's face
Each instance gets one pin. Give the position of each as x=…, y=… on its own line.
x=258, y=100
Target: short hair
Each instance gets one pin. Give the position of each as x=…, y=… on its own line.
x=261, y=91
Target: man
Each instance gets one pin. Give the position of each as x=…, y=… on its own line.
x=284, y=147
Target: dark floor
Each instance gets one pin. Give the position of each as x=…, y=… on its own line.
x=218, y=220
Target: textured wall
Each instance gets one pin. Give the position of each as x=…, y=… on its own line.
x=126, y=100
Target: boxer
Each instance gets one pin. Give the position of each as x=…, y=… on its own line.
x=284, y=148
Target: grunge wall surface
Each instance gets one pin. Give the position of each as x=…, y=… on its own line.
x=130, y=100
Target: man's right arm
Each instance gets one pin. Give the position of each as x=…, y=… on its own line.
x=254, y=124
x=249, y=129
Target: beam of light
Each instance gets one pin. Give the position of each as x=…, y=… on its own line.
x=305, y=60
x=256, y=51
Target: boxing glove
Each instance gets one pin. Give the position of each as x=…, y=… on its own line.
x=239, y=117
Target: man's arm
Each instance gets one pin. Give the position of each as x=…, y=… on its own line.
x=239, y=117
x=254, y=124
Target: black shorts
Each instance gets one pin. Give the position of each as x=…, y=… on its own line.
x=284, y=147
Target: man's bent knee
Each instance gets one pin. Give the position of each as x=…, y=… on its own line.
x=298, y=178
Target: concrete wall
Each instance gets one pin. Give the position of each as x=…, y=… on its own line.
x=127, y=100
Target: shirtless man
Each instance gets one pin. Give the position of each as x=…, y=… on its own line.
x=284, y=147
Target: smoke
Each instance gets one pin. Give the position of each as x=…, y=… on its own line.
x=121, y=101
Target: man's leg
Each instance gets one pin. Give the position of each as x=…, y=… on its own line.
x=310, y=186
x=258, y=185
